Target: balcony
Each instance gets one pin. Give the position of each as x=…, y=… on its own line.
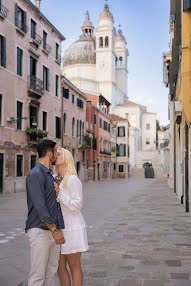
x=46, y=48
x=58, y=58
x=84, y=142
x=105, y=153
x=3, y=11
x=35, y=135
x=36, y=39
x=35, y=86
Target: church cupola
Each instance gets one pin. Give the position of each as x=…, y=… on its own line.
x=87, y=28
x=106, y=17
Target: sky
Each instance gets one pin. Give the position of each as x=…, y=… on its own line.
x=145, y=25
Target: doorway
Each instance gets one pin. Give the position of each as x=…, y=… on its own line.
x=186, y=169
x=1, y=173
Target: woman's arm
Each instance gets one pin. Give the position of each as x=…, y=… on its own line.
x=73, y=201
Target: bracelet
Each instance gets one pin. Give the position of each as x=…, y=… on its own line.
x=54, y=230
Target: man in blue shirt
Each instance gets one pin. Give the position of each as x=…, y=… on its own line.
x=45, y=221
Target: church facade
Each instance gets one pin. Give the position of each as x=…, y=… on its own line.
x=97, y=64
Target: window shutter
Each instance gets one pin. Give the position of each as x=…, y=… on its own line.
x=118, y=132
x=24, y=21
x=3, y=51
x=47, y=79
x=18, y=61
x=123, y=131
x=16, y=16
x=124, y=149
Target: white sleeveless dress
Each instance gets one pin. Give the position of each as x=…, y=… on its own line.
x=70, y=200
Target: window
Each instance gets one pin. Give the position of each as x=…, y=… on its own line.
x=57, y=52
x=19, y=165
x=148, y=126
x=20, y=19
x=108, y=127
x=73, y=123
x=19, y=114
x=106, y=42
x=44, y=40
x=122, y=150
x=116, y=61
x=33, y=29
x=3, y=51
x=80, y=103
x=77, y=130
x=101, y=42
x=120, y=62
x=121, y=168
x=105, y=125
x=186, y=5
x=65, y=92
x=1, y=109
x=147, y=141
x=33, y=65
x=94, y=144
x=33, y=161
x=46, y=76
x=19, y=61
x=105, y=166
x=56, y=85
x=94, y=118
x=121, y=131
x=100, y=123
x=44, y=120
x=114, y=166
x=64, y=123
x=58, y=127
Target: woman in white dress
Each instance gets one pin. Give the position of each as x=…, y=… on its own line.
x=69, y=195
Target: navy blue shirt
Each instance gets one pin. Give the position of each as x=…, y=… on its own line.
x=41, y=199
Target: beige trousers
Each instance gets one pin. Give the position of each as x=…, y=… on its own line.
x=44, y=257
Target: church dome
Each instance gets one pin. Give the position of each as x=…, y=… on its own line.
x=106, y=17
x=80, y=52
x=83, y=50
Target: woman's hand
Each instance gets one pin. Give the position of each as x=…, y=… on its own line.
x=56, y=186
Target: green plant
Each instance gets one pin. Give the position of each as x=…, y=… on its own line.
x=37, y=132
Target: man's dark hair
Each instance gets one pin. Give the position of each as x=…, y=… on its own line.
x=44, y=146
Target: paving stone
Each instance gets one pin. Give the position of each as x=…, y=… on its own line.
x=180, y=276
x=182, y=283
x=153, y=283
x=130, y=282
x=174, y=263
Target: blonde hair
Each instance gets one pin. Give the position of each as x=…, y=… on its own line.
x=69, y=166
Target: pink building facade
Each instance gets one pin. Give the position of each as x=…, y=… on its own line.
x=74, y=125
x=98, y=130
x=30, y=97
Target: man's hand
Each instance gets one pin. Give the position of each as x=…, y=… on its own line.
x=59, y=237
x=56, y=186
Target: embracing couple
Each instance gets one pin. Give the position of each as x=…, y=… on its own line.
x=55, y=226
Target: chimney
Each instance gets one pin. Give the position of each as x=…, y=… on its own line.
x=37, y=2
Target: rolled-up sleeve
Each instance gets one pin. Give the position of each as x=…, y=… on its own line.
x=72, y=200
x=35, y=190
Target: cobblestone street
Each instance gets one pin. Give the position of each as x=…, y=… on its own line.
x=139, y=235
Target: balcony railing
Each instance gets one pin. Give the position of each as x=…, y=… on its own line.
x=58, y=58
x=37, y=38
x=105, y=153
x=3, y=11
x=46, y=47
x=84, y=141
x=21, y=25
x=35, y=85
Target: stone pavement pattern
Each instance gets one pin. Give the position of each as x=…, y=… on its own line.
x=139, y=235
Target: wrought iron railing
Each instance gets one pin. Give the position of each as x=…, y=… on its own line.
x=46, y=47
x=3, y=10
x=35, y=83
x=105, y=153
x=36, y=37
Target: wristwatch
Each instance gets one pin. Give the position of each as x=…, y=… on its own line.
x=54, y=230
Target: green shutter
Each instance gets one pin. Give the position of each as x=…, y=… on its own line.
x=47, y=79
x=3, y=51
x=24, y=27
x=18, y=61
x=16, y=16
x=124, y=149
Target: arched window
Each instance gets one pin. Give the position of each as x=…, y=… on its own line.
x=106, y=42
x=64, y=123
x=101, y=42
x=120, y=61
x=73, y=123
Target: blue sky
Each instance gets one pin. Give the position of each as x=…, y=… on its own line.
x=145, y=24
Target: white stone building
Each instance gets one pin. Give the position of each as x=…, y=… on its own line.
x=97, y=64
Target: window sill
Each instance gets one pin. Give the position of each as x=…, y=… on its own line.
x=20, y=31
x=45, y=51
x=58, y=62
